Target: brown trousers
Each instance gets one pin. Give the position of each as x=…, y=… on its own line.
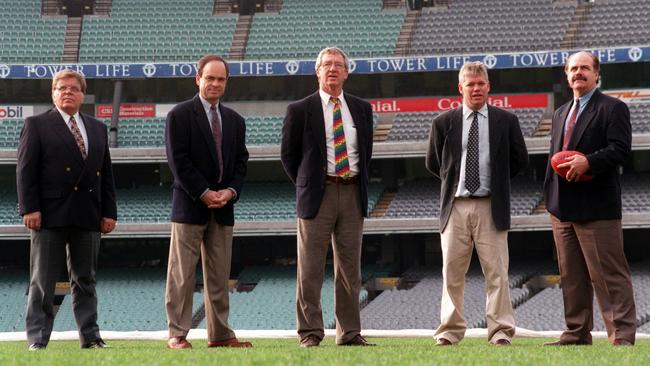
x=214, y=244
x=339, y=221
x=470, y=226
x=591, y=259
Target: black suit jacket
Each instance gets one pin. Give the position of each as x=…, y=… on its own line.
x=508, y=156
x=54, y=179
x=604, y=134
x=192, y=158
x=304, y=154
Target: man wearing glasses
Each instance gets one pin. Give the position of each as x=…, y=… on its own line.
x=326, y=149
x=66, y=196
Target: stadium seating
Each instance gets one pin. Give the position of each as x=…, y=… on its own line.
x=615, y=22
x=28, y=37
x=640, y=117
x=156, y=30
x=10, y=132
x=635, y=195
x=480, y=26
x=302, y=29
x=9, y=208
x=13, y=287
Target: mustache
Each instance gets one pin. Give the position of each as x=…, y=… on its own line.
x=579, y=77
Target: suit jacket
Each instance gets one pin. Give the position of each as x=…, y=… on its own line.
x=53, y=178
x=508, y=156
x=604, y=134
x=192, y=158
x=304, y=154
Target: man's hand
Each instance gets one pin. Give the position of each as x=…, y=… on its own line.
x=32, y=220
x=107, y=225
x=577, y=164
x=217, y=199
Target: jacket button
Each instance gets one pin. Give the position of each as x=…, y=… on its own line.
x=76, y=188
x=67, y=169
x=98, y=173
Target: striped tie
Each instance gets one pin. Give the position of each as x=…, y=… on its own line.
x=340, y=149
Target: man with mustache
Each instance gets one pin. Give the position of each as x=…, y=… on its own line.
x=475, y=150
x=208, y=158
x=326, y=149
x=586, y=215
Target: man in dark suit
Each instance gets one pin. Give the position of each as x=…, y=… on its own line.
x=66, y=196
x=207, y=155
x=326, y=150
x=475, y=150
x=586, y=215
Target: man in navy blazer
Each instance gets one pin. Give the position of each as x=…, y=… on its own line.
x=208, y=158
x=475, y=202
x=326, y=149
x=66, y=196
x=586, y=215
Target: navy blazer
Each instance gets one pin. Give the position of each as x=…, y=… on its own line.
x=53, y=178
x=304, y=154
x=508, y=156
x=604, y=134
x=192, y=158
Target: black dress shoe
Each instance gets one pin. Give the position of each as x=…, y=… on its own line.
x=358, y=340
x=443, y=342
x=566, y=343
x=36, y=347
x=622, y=342
x=97, y=343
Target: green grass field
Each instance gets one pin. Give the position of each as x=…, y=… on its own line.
x=389, y=351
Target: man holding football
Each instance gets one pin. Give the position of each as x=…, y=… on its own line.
x=591, y=137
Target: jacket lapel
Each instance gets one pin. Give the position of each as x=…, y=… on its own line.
x=357, y=119
x=317, y=122
x=60, y=128
x=558, y=127
x=95, y=143
x=584, y=120
x=455, y=136
x=494, y=131
x=204, y=126
x=227, y=135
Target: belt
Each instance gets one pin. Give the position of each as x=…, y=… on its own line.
x=339, y=180
x=475, y=197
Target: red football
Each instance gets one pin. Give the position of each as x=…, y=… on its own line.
x=561, y=157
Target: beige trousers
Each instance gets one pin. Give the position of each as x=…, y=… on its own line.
x=340, y=222
x=470, y=226
x=214, y=244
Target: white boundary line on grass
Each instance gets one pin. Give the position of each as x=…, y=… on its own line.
x=251, y=334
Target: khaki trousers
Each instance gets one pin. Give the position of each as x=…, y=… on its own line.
x=339, y=221
x=214, y=244
x=591, y=259
x=471, y=226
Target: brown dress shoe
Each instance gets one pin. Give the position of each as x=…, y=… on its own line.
x=358, y=340
x=309, y=341
x=622, y=342
x=232, y=343
x=178, y=343
x=502, y=342
x=566, y=343
x=443, y=342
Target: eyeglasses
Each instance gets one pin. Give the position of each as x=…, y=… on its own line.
x=71, y=89
x=337, y=65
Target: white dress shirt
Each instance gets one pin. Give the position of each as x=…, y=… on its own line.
x=80, y=125
x=350, y=134
x=483, y=152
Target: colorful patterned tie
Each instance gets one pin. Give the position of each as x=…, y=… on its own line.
x=340, y=149
x=472, y=179
x=571, y=124
x=215, y=121
x=77, y=137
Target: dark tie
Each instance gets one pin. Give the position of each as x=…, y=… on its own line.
x=342, y=165
x=215, y=121
x=472, y=180
x=568, y=131
x=77, y=137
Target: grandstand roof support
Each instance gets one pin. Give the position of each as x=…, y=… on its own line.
x=117, y=98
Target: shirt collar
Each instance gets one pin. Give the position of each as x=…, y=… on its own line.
x=585, y=98
x=207, y=105
x=325, y=98
x=467, y=112
x=66, y=117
